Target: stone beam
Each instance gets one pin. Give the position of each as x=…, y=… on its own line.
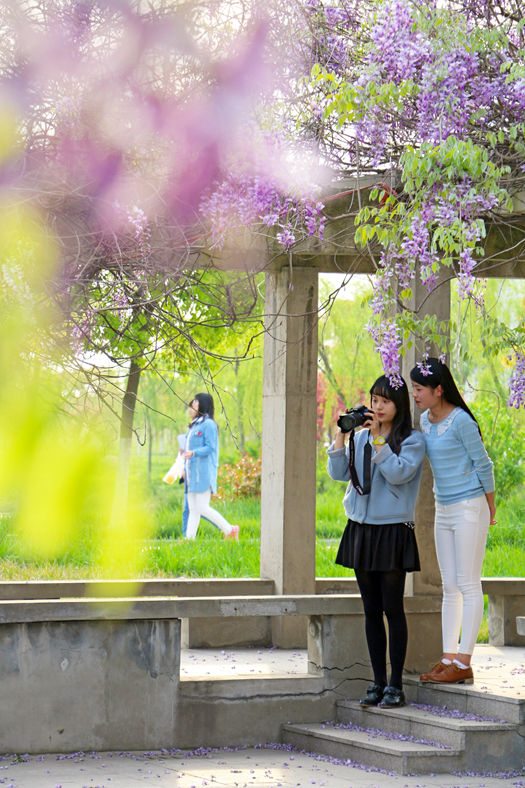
x=337, y=253
x=504, y=249
x=159, y=608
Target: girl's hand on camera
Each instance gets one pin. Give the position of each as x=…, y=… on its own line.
x=372, y=424
x=339, y=440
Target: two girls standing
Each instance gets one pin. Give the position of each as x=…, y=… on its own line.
x=379, y=541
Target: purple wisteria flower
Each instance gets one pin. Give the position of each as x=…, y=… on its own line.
x=398, y=50
x=387, y=344
x=244, y=200
x=517, y=382
x=424, y=366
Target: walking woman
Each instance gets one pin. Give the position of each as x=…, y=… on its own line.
x=464, y=492
x=201, y=458
x=379, y=541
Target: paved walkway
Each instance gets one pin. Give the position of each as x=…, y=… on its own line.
x=498, y=670
x=250, y=768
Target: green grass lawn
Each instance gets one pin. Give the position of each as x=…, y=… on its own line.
x=165, y=554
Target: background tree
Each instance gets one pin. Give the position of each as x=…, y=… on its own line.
x=120, y=115
x=346, y=356
x=117, y=118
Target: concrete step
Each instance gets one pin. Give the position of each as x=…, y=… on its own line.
x=469, y=699
x=370, y=746
x=482, y=743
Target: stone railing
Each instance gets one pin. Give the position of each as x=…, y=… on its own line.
x=506, y=601
x=506, y=597
x=83, y=674
x=104, y=673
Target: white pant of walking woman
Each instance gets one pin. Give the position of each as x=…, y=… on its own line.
x=199, y=506
x=461, y=534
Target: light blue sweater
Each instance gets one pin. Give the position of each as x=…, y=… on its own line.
x=461, y=466
x=394, y=484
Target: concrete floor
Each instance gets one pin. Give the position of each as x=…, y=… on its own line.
x=264, y=768
x=498, y=670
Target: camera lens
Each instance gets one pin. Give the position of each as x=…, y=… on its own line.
x=355, y=417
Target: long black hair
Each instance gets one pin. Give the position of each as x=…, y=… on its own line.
x=434, y=373
x=206, y=407
x=402, y=425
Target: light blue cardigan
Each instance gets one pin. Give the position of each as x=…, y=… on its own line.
x=395, y=480
x=201, y=469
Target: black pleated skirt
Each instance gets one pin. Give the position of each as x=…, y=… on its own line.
x=379, y=548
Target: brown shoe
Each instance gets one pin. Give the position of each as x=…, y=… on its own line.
x=434, y=671
x=453, y=674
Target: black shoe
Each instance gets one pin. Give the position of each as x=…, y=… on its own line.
x=393, y=698
x=374, y=694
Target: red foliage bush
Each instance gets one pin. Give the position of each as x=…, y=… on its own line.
x=241, y=479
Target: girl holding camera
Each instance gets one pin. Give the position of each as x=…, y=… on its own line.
x=464, y=493
x=379, y=541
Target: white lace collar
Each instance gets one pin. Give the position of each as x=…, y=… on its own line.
x=442, y=426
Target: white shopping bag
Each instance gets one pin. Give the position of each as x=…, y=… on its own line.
x=176, y=471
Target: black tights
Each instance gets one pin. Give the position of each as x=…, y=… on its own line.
x=382, y=592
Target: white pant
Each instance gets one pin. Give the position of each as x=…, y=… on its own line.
x=461, y=534
x=199, y=505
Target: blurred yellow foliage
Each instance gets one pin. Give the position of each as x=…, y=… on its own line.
x=53, y=472
x=9, y=139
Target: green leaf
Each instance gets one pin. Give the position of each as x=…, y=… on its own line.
x=360, y=236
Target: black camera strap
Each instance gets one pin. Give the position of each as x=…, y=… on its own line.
x=361, y=489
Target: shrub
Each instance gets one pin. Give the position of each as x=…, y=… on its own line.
x=503, y=435
x=240, y=479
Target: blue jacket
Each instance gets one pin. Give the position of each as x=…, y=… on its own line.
x=201, y=469
x=394, y=484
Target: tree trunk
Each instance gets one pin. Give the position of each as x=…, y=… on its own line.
x=500, y=390
x=126, y=433
x=240, y=408
x=149, y=426
x=328, y=371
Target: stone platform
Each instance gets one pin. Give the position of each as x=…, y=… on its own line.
x=499, y=672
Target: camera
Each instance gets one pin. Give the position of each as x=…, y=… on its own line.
x=355, y=417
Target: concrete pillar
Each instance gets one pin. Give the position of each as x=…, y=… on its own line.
x=337, y=645
x=503, y=611
x=289, y=441
x=428, y=581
